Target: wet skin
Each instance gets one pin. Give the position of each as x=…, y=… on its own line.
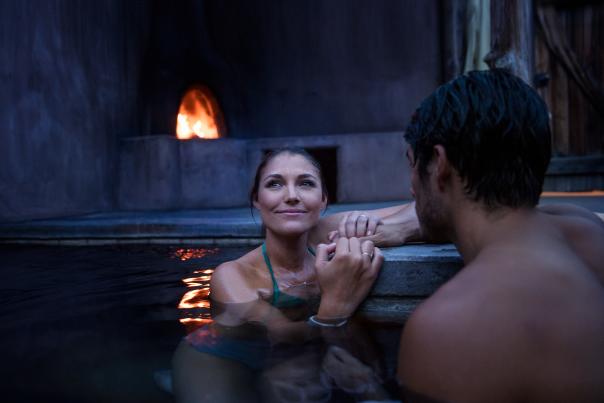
x=524, y=319
x=290, y=201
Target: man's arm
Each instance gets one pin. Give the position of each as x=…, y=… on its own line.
x=571, y=210
x=391, y=226
x=354, y=223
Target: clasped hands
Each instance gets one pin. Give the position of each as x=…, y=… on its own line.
x=389, y=231
x=347, y=267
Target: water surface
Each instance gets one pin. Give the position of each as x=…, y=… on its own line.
x=93, y=324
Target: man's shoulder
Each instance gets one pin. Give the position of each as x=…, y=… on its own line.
x=463, y=335
x=451, y=310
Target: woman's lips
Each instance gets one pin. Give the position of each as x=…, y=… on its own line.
x=291, y=213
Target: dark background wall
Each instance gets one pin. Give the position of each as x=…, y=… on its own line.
x=69, y=73
x=78, y=76
x=295, y=68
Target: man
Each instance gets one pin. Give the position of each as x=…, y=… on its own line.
x=524, y=319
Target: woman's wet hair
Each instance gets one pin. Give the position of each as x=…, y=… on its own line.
x=268, y=157
x=495, y=130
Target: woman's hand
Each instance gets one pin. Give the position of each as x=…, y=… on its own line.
x=346, y=278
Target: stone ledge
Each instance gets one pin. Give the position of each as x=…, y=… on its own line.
x=170, y=224
x=390, y=310
x=416, y=271
x=410, y=274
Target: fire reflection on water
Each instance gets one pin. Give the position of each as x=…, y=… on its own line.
x=194, y=253
x=195, y=299
x=195, y=303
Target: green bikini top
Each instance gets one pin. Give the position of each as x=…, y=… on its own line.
x=281, y=299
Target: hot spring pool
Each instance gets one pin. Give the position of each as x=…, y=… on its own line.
x=93, y=324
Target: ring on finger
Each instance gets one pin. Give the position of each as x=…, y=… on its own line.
x=368, y=254
x=363, y=216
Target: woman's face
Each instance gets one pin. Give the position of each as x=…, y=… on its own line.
x=290, y=198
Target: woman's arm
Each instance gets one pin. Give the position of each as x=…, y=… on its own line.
x=236, y=302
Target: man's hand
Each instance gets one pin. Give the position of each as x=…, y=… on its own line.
x=355, y=224
x=346, y=279
x=384, y=233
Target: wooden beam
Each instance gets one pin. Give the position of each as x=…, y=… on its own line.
x=512, y=37
x=452, y=38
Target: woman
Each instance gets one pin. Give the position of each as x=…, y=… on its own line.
x=274, y=286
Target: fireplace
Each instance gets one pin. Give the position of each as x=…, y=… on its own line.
x=324, y=76
x=199, y=115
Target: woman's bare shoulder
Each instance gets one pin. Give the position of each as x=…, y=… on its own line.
x=237, y=280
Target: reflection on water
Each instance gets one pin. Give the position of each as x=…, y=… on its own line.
x=193, y=253
x=195, y=299
x=257, y=352
x=195, y=303
x=92, y=324
x=262, y=362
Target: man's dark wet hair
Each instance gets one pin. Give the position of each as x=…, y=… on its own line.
x=268, y=157
x=495, y=130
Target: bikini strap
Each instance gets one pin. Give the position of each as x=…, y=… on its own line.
x=270, y=270
x=276, y=290
x=311, y=251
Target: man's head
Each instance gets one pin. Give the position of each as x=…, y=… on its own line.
x=494, y=129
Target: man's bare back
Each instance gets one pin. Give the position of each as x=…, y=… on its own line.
x=524, y=321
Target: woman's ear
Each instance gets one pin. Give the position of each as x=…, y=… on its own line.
x=255, y=203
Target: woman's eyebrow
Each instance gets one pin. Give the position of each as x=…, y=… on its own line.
x=279, y=176
x=272, y=176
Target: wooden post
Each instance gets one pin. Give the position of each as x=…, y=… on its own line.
x=454, y=20
x=512, y=37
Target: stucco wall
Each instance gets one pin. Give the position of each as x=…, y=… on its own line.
x=161, y=172
x=295, y=68
x=69, y=78
x=78, y=76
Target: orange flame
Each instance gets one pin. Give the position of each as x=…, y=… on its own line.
x=198, y=116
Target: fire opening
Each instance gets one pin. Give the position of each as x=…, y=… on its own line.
x=199, y=115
